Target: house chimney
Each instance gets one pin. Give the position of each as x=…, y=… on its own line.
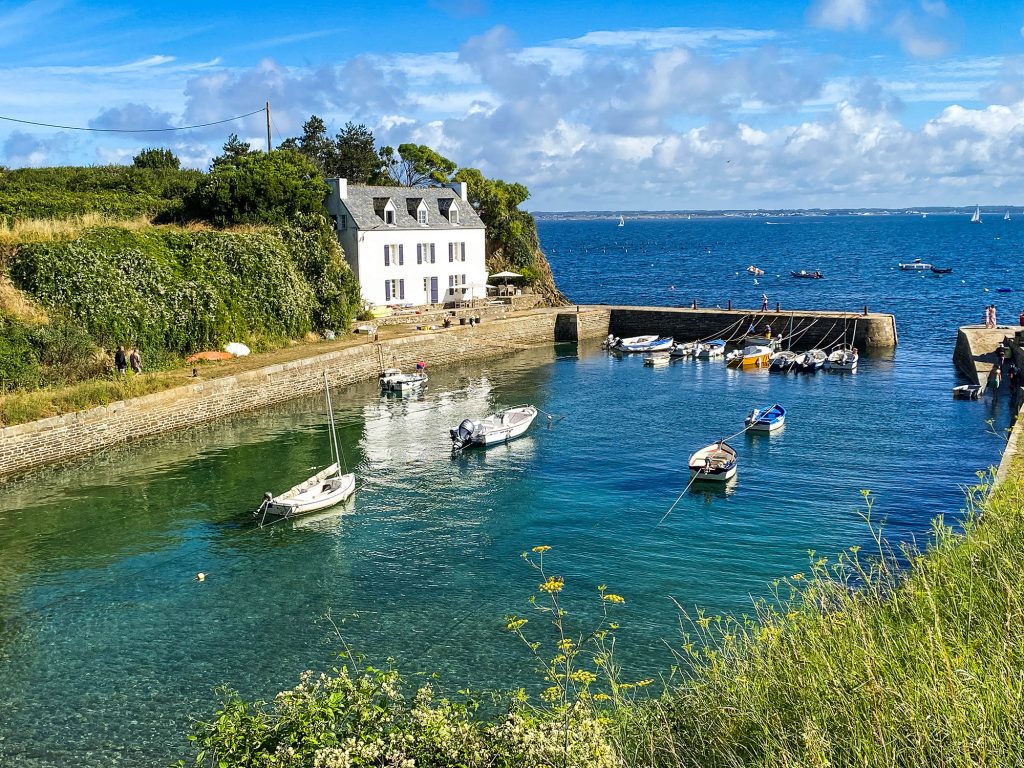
x=339, y=187
x=460, y=189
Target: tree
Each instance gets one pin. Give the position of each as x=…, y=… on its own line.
x=234, y=148
x=274, y=187
x=357, y=158
x=509, y=230
x=417, y=165
x=155, y=157
x=316, y=145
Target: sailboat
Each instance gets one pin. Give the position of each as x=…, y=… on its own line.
x=622, y=221
x=1007, y=216
x=324, y=489
x=976, y=218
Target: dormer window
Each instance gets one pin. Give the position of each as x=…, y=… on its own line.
x=421, y=215
x=453, y=214
x=385, y=208
x=389, y=216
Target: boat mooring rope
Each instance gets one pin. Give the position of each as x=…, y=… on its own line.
x=697, y=476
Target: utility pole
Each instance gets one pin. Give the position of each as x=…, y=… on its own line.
x=268, y=128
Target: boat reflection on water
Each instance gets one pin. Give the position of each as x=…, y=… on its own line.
x=328, y=519
x=712, y=491
x=521, y=449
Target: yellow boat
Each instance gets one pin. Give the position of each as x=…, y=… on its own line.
x=752, y=356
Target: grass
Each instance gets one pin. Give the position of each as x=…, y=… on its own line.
x=860, y=662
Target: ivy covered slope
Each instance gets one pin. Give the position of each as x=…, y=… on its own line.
x=171, y=261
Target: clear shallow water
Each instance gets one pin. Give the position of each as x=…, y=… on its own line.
x=107, y=644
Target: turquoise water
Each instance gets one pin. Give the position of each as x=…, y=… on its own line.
x=108, y=644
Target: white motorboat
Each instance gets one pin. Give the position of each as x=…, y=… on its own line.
x=657, y=359
x=766, y=419
x=752, y=356
x=968, y=392
x=715, y=462
x=782, y=361
x=844, y=358
x=689, y=349
x=393, y=380
x=915, y=266
x=646, y=344
x=812, y=360
x=711, y=350
x=499, y=427
x=324, y=489
x=755, y=271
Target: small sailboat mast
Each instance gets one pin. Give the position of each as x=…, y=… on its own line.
x=330, y=415
x=976, y=218
x=622, y=221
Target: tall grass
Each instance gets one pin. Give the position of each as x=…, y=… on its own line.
x=861, y=662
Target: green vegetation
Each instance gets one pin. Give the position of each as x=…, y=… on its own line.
x=878, y=659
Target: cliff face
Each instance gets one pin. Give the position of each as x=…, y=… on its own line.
x=533, y=264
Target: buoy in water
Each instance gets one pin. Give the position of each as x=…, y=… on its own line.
x=200, y=576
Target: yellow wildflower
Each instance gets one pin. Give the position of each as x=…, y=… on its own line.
x=613, y=598
x=553, y=585
x=541, y=549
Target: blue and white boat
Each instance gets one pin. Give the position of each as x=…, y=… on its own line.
x=645, y=344
x=766, y=419
x=711, y=350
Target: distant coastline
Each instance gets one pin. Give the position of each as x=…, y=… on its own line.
x=990, y=210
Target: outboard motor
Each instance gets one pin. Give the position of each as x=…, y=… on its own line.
x=462, y=435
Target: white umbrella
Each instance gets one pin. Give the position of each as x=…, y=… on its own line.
x=506, y=275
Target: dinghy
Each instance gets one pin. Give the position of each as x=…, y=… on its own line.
x=657, y=359
x=711, y=350
x=689, y=349
x=499, y=427
x=968, y=392
x=803, y=274
x=752, y=356
x=765, y=419
x=812, y=360
x=324, y=489
x=942, y=270
x=715, y=462
x=843, y=358
x=782, y=361
x=646, y=344
x=393, y=380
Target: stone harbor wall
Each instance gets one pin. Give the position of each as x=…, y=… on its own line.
x=25, y=446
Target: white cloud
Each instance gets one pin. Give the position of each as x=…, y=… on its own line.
x=841, y=14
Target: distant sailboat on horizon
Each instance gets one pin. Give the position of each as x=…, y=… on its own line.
x=1007, y=216
x=622, y=221
x=976, y=218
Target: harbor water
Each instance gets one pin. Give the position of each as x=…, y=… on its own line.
x=108, y=643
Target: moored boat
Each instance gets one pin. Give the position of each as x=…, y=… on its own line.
x=711, y=350
x=645, y=344
x=688, y=349
x=324, y=489
x=657, y=359
x=755, y=271
x=915, y=266
x=393, y=380
x=765, y=419
x=782, y=361
x=843, y=358
x=752, y=356
x=715, y=462
x=942, y=270
x=499, y=427
x=968, y=392
x=812, y=360
x=805, y=275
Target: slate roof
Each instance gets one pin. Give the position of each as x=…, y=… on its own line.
x=364, y=202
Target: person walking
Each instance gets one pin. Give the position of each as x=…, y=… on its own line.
x=764, y=302
x=135, y=360
x=120, y=360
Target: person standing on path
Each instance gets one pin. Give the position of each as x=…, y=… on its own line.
x=120, y=360
x=135, y=360
x=764, y=302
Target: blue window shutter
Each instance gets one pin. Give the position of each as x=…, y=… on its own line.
x=431, y=253
x=463, y=279
x=401, y=254
x=463, y=251
x=401, y=288
x=451, y=251
x=419, y=253
x=387, y=255
x=387, y=290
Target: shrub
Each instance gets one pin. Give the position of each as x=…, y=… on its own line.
x=66, y=351
x=19, y=365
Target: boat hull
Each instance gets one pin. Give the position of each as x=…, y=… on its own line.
x=319, y=492
x=714, y=463
x=498, y=428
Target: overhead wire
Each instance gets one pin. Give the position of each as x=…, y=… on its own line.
x=130, y=130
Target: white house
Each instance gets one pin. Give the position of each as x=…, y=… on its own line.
x=410, y=245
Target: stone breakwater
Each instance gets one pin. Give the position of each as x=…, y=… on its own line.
x=27, y=446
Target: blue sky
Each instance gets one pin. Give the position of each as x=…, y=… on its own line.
x=612, y=105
